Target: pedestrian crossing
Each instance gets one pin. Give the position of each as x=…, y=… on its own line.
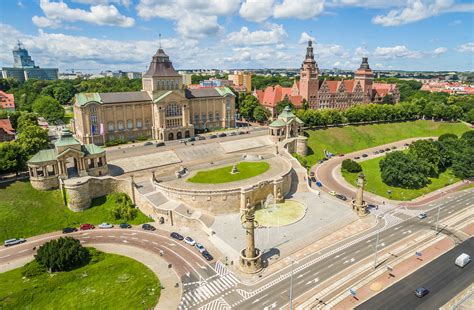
x=208, y=290
x=217, y=304
x=221, y=269
x=391, y=220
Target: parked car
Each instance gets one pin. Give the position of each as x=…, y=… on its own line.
x=421, y=291
x=341, y=155
x=332, y=193
x=200, y=247
x=381, y=151
x=212, y=136
x=148, y=143
x=233, y=133
x=125, y=225
x=158, y=144
x=357, y=157
x=192, y=139
x=313, y=179
x=376, y=152
x=422, y=216
x=183, y=141
x=176, y=236
x=394, y=147
x=11, y=242
x=105, y=225
x=387, y=149
x=207, y=256
x=311, y=174
x=68, y=230
x=199, y=137
x=241, y=133
x=462, y=260
x=86, y=226
x=319, y=184
x=320, y=161
x=365, y=155
x=148, y=227
x=222, y=135
x=406, y=144
x=371, y=206
x=189, y=240
x=342, y=197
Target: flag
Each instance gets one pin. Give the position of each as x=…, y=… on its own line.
x=93, y=129
x=102, y=128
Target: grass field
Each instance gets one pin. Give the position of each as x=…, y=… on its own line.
x=223, y=175
x=113, y=282
x=26, y=212
x=353, y=138
x=375, y=185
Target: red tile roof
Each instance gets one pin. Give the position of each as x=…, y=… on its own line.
x=333, y=85
x=349, y=85
x=7, y=101
x=7, y=126
x=274, y=94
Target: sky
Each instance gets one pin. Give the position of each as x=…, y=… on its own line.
x=95, y=35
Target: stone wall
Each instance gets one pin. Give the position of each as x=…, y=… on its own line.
x=44, y=183
x=302, y=145
x=81, y=191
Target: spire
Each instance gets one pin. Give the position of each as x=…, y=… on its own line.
x=159, y=40
x=365, y=64
x=309, y=51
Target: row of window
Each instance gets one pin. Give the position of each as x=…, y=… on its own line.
x=207, y=117
x=167, y=84
x=121, y=125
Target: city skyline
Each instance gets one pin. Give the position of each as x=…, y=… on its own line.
x=123, y=34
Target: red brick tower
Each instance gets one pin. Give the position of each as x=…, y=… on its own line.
x=365, y=76
x=309, y=78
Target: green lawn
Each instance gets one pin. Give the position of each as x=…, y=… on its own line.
x=223, y=175
x=353, y=138
x=26, y=212
x=113, y=282
x=375, y=185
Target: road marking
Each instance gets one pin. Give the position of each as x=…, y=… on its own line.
x=359, y=250
x=315, y=280
x=200, y=266
x=4, y=256
x=124, y=241
x=23, y=251
x=260, y=298
x=301, y=275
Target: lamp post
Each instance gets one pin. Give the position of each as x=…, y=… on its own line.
x=437, y=219
x=377, y=244
x=291, y=286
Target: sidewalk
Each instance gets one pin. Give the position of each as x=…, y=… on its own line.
x=400, y=271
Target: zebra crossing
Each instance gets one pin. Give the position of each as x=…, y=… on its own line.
x=391, y=220
x=217, y=304
x=208, y=290
x=221, y=269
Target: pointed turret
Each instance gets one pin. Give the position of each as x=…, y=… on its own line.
x=309, y=71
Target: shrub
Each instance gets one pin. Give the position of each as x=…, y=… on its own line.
x=63, y=254
x=123, y=208
x=301, y=159
x=32, y=269
x=405, y=171
x=351, y=166
x=447, y=136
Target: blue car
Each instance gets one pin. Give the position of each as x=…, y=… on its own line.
x=319, y=184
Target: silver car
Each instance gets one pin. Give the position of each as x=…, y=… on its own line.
x=11, y=242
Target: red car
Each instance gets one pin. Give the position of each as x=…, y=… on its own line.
x=86, y=227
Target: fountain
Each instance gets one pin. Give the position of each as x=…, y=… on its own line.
x=270, y=202
x=234, y=169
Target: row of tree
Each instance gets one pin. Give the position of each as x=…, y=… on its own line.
x=30, y=139
x=427, y=158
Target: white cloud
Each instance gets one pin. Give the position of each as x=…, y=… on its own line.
x=304, y=38
x=57, y=12
x=274, y=35
x=193, y=18
x=373, y=4
x=301, y=9
x=439, y=51
x=398, y=51
x=256, y=10
x=125, y=3
x=466, y=47
x=239, y=57
x=420, y=9
x=361, y=52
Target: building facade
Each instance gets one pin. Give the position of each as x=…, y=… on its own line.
x=242, y=79
x=320, y=94
x=7, y=102
x=7, y=133
x=163, y=110
x=24, y=68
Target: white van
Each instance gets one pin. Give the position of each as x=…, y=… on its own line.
x=462, y=260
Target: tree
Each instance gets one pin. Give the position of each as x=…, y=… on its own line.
x=63, y=254
x=447, y=136
x=469, y=116
x=388, y=99
x=260, y=114
x=283, y=104
x=49, y=108
x=123, y=208
x=26, y=119
x=351, y=166
x=12, y=157
x=427, y=151
x=248, y=105
x=32, y=138
x=402, y=170
x=463, y=162
x=305, y=104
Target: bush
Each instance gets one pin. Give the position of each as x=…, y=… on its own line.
x=63, y=254
x=32, y=269
x=405, y=171
x=351, y=166
x=447, y=136
x=115, y=142
x=123, y=208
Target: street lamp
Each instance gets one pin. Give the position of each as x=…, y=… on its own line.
x=377, y=243
x=291, y=286
x=437, y=219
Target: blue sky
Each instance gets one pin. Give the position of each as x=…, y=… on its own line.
x=123, y=34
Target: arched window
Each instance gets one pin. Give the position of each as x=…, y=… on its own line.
x=130, y=124
x=110, y=126
x=120, y=125
x=173, y=109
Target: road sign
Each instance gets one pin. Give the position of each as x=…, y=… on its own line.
x=418, y=254
x=352, y=291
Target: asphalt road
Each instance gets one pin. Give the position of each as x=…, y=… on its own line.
x=441, y=277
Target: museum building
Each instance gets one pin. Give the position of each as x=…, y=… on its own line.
x=163, y=110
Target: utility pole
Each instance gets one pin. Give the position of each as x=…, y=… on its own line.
x=291, y=286
x=437, y=219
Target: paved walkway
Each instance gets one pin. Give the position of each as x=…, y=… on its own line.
x=400, y=271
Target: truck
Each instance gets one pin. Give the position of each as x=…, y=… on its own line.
x=462, y=260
